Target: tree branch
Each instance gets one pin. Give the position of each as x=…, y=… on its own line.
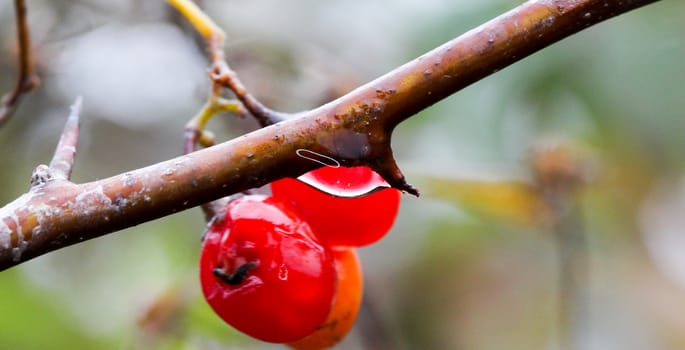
x=354, y=129
x=27, y=80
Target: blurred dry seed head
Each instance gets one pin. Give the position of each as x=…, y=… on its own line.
x=559, y=166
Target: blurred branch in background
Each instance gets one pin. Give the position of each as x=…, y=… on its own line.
x=27, y=80
x=559, y=174
x=372, y=325
x=550, y=203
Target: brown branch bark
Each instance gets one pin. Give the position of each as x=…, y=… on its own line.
x=27, y=80
x=354, y=129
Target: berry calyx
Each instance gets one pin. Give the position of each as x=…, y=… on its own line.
x=348, y=297
x=265, y=273
x=347, y=206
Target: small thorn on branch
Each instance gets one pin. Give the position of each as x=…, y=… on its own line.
x=63, y=160
x=391, y=173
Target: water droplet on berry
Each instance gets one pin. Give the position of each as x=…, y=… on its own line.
x=283, y=273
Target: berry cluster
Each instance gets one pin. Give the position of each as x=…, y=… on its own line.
x=284, y=268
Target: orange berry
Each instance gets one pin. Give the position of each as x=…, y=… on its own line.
x=346, y=303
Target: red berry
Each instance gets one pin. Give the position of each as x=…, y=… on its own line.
x=326, y=199
x=265, y=273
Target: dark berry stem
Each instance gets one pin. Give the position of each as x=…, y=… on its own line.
x=236, y=277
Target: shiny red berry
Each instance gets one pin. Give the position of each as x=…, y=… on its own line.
x=338, y=206
x=265, y=273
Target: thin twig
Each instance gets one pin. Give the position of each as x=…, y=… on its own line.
x=27, y=80
x=224, y=75
x=221, y=72
x=195, y=133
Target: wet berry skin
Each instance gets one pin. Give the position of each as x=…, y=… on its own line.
x=338, y=206
x=265, y=273
x=348, y=298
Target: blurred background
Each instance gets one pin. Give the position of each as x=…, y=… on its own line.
x=553, y=192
